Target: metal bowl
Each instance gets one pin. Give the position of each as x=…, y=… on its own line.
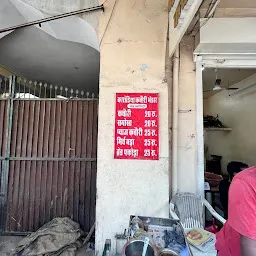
x=168, y=252
x=134, y=247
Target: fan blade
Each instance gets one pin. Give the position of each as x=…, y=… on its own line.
x=231, y=89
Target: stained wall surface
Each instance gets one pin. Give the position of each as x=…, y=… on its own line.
x=133, y=47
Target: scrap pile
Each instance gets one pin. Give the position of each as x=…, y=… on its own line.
x=211, y=121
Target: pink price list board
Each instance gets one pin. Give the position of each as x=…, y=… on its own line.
x=137, y=126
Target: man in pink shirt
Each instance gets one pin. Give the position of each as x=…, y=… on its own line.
x=238, y=236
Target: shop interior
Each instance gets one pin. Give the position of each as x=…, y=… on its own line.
x=229, y=97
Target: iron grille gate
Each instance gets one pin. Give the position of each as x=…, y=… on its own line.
x=48, y=150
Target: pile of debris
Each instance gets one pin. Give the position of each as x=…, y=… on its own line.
x=59, y=237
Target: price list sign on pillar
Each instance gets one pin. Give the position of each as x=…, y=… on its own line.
x=137, y=126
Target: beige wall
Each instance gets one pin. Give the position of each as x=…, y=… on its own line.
x=187, y=163
x=5, y=72
x=136, y=35
x=237, y=112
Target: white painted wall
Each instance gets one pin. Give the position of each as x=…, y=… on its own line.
x=237, y=112
x=62, y=52
x=135, y=35
x=228, y=30
x=227, y=36
x=187, y=152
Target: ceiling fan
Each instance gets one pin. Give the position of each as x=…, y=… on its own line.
x=217, y=86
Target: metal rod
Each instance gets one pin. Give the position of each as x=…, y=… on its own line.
x=56, y=17
x=48, y=159
x=54, y=99
x=15, y=233
x=241, y=90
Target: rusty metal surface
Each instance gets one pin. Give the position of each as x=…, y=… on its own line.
x=3, y=125
x=44, y=181
x=3, y=150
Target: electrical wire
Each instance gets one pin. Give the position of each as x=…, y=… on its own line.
x=205, y=22
x=198, y=16
x=209, y=8
x=60, y=16
x=208, y=14
x=110, y=17
x=211, y=12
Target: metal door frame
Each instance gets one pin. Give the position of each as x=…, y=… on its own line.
x=6, y=159
x=212, y=60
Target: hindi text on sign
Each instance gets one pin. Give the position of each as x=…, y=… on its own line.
x=136, y=126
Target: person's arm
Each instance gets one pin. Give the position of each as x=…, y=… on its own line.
x=242, y=213
x=248, y=246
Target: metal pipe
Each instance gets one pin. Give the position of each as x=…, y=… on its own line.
x=56, y=99
x=211, y=12
x=209, y=8
x=175, y=126
x=199, y=127
x=65, y=159
x=56, y=17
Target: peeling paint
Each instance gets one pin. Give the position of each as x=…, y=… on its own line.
x=135, y=65
x=192, y=136
x=144, y=67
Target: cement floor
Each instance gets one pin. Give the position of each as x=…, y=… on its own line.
x=9, y=243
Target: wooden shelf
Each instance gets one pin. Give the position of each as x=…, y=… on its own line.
x=218, y=129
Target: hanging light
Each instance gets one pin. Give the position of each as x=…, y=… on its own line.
x=217, y=86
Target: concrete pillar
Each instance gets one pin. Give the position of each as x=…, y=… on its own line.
x=132, y=33
x=187, y=162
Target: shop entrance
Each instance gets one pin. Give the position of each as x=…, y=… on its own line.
x=231, y=105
